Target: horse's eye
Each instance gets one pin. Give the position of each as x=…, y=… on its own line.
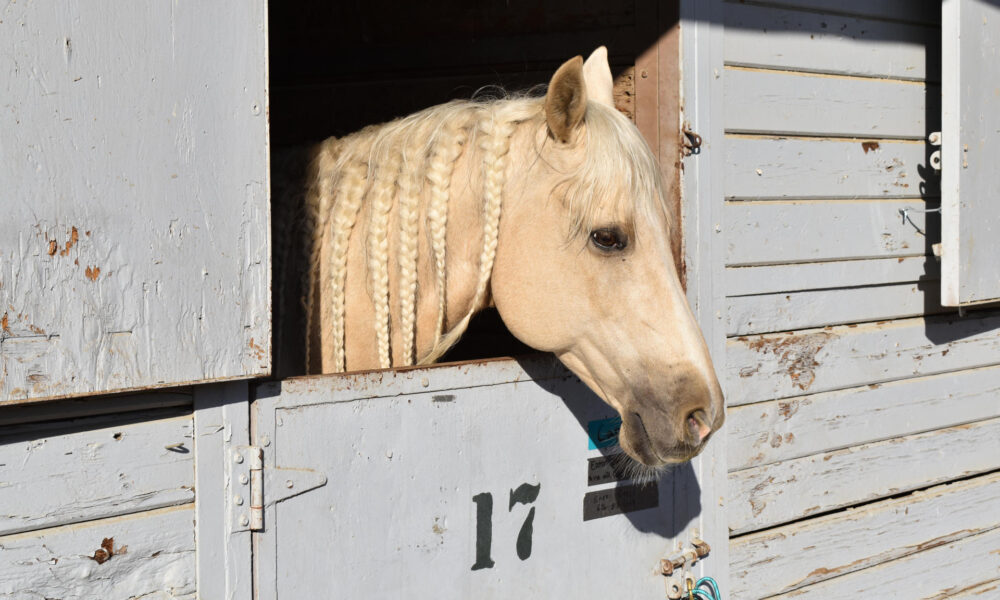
x=608, y=240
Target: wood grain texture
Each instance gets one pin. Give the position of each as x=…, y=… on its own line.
x=134, y=247
x=772, y=279
x=761, y=497
x=149, y=555
x=902, y=11
x=801, y=554
x=222, y=423
x=968, y=566
x=778, y=366
x=771, y=232
x=990, y=589
x=789, y=103
x=764, y=313
x=92, y=469
x=768, y=432
x=970, y=134
x=90, y=406
x=759, y=36
x=799, y=168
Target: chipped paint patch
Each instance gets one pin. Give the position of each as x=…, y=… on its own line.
x=74, y=237
x=796, y=354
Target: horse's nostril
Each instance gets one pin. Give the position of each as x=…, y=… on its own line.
x=698, y=428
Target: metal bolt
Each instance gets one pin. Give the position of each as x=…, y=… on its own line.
x=265, y=441
x=244, y=479
x=244, y=520
x=238, y=459
x=289, y=484
x=644, y=74
x=238, y=500
x=424, y=382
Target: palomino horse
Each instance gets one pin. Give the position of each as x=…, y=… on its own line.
x=550, y=209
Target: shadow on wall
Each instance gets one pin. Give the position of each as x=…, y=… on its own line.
x=677, y=493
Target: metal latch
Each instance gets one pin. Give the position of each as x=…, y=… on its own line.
x=252, y=488
x=691, y=142
x=699, y=549
x=680, y=582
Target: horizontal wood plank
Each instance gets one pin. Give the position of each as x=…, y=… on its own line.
x=775, y=366
x=91, y=406
x=761, y=497
x=768, y=432
x=904, y=11
x=99, y=468
x=945, y=572
x=800, y=168
x=794, y=556
x=792, y=103
x=148, y=555
x=763, y=313
x=774, y=232
x=759, y=36
x=772, y=279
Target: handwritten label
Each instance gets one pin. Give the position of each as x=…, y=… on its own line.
x=619, y=500
x=606, y=469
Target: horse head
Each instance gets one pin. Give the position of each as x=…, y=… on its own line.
x=584, y=269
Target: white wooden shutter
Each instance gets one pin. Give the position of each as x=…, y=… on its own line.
x=133, y=196
x=970, y=149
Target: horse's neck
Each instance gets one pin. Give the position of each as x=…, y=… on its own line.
x=466, y=234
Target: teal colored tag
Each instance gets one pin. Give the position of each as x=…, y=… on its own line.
x=603, y=432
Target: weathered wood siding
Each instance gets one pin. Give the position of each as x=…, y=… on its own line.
x=148, y=555
x=98, y=507
x=855, y=397
x=134, y=245
x=94, y=468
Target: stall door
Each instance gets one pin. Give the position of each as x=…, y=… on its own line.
x=970, y=146
x=491, y=480
x=134, y=247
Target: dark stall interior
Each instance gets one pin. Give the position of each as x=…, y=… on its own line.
x=338, y=66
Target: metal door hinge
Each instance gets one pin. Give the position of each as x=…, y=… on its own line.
x=252, y=487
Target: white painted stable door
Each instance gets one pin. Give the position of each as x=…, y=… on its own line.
x=488, y=480
x=134, y=246
x=970, y=177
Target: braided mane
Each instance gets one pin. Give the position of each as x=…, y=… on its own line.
x=394, y=175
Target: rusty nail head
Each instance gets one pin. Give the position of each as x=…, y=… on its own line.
x=644, y=73
x=666, y=567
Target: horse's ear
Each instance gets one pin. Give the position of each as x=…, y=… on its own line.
x=566, y=100
x=597, y=74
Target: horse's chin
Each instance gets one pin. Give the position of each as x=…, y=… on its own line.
x=638, y=445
